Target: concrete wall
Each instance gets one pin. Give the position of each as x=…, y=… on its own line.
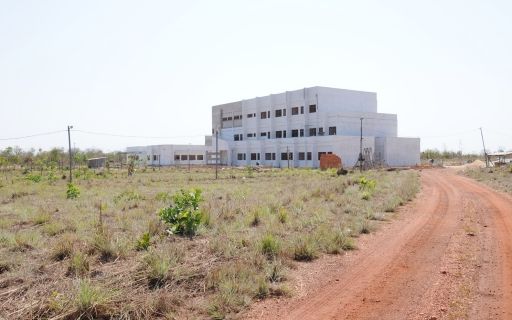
x=399, y=151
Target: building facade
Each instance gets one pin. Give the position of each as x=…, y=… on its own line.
x=294, y=128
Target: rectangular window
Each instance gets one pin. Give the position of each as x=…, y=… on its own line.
x=301, y=132
x=284, y=156
x=200, y=157
x=312, y=132
x=263, y=134
x=302, y=156
x=251, y=115
x=279, y=113
x=192, y=157
x=268, y=135
x=284, y=112
x=309, y=156
x=251, y=135
x=284, y=133
x=241, y=156
x=268, y=156
x=320, y=154
x=184, y=157
x=302, y=110
x=321, y=131
x=279, y=134
x=154, y=157
x=238, y=117
x=295, y=111
x=295, y=133
x=238, y=137
x=263, y=115
x=332, y=131
x=312, y=108
x=177, y=157
x=254, y=156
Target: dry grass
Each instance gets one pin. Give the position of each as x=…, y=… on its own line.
x=499, y=178
x=84, y=257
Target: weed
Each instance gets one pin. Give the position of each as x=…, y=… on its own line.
x=339, y=242
x=143, y=242
x=34, y=177
x=24, y=241
x=275, y=271
x=103, y=244
x=269, y=246
x=256, y=219
x=78, y=264
x=63, y=248
x=41, y=218
x=163, y=197
x=283, y=215
x=158, y=265
x=88, y=298
x=304, y=250
x=184, y=216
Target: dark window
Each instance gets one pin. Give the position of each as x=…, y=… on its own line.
x=320, y=154
x=264, y=115
x=251, y=115
x=332, y=131
x=155, y=157
x=295, y=111
x=268, y=114
x=279, y=113
x=284, y=112
x=200, y=157
x=268, y=156
x=251, y=135
x=283, y=156
x=268, y=135
x=263, y=134
x=237, y=117
x=284, y=133
x=309, y=156
x=241, y=156
x=321, y=131
x=184, y=157
x=312, y=132
x=295, y=133
x=279, y=134
x=302, y=156
x=301, y=132
x=239, y=137
x=302, y=110
x=192, y=157
x=177, y=157
x=312, y=108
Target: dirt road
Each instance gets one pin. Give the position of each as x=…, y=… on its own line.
x=447, y=256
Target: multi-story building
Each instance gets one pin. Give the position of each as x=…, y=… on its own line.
x=295, y=128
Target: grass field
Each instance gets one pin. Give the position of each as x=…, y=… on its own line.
x=107, y=253
x=499, y=178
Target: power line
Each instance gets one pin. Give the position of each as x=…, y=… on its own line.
x=133, y=136
x=32, y=135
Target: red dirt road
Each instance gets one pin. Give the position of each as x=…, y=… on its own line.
x=447, y=256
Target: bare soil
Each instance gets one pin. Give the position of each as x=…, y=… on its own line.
x=448, y=255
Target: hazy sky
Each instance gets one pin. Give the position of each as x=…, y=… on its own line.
x=155, y=68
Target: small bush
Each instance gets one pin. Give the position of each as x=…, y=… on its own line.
x=304, y=250
x=73, y=191
x=365, y=227
x=256, y=219
x=184, y=215
x=103, y=244
x=275, y=271
x=159, y=265
x=340, y=242
x=143, y=242
x=269, y=246
x=78, y=264
x=365, y=195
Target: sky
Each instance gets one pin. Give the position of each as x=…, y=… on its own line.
x=152, y=70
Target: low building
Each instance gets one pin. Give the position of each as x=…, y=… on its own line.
x=95, y=163
x=295, y=128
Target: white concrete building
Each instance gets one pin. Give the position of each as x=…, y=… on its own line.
x=295, y=128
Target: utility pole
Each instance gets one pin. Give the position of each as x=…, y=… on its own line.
x=70, y=155
x=361, y=159
x=216, y=154
x=485, y=152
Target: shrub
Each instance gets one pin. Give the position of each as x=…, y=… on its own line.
x=103, y=244
x=340, y=242
x=73, y=192
x=269, y=246
x=159, y=265
x=184, y=215
x=367, y=184
x=78, y=264
x=256, y=219
x=143, y=242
